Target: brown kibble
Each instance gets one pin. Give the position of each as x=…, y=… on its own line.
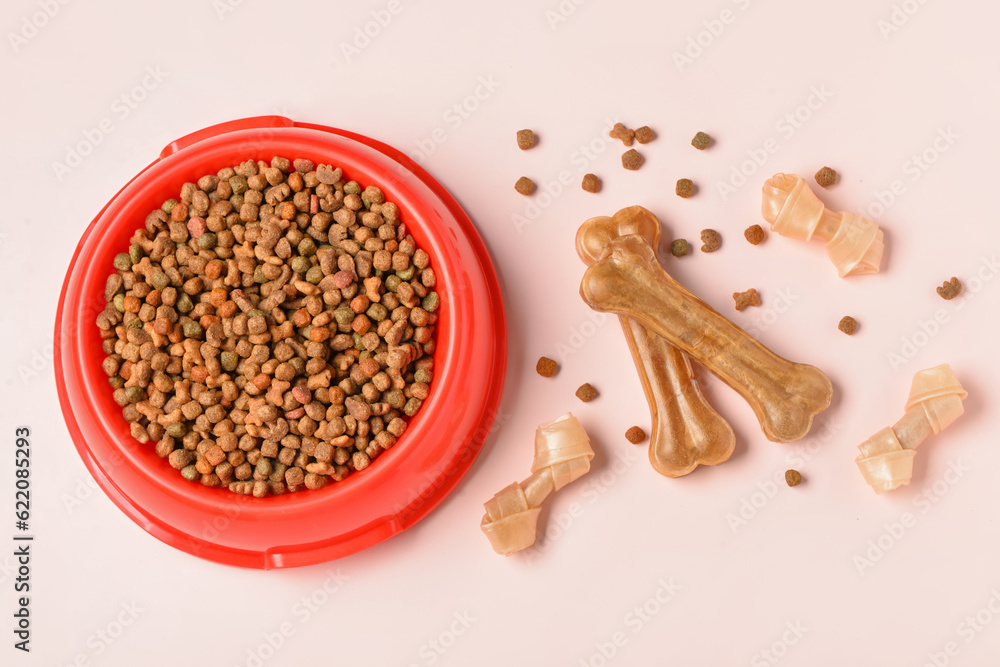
x=524, y=185
x=546, y=367
x=525, y=139
x=748, y=298
x=586, y=393
x=754, y=234
x=622, y=133
x=635, y=435
x=685, y=188
x=644, y=135
x=826, y=177
x=591, y=183
x=848, y=325
x=950, y=289
x=679, y=247
x=793, y=477
x=701, y=141
x=631, y=159
x=710, y=240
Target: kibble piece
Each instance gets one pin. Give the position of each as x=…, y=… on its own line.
x=631, y=159
x=754, y=234
x=635, y=435
x=591, y=183
x=586, y=392
x=848, y=325
x=546, y=367
x=793, y=477
x=748, y=298
x=826, y=177
x=685, y=188
x=679, y=247
x=644, y=135
x=525, y=139
x=524, y=185
x=622, y=133
x=701, y=141
x=710, y=240
x=950, y=289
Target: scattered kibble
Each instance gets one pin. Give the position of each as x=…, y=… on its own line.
x=524, y=185
x=826, y=177
x=754, y=234
x=701, y=141
x=644, y=135
x=546, y=367
x=622, y=133
x=793, y=477
x=710, y=240
x=748, y=298
x=631, y=159
x=685, y=188
x=525, y=139
x=679, y=247
x=950, y=289
x=635, y=435
x=586, y=393
x=591, y=183
x=848, y=325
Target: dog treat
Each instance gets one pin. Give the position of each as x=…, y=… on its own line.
x=628, y=280
x=950, y=289
x=525, y=139
x=679, y=247
x=748, y=298
x=631, y=159
x=754, y=234
x=622, y=133
x=848, y=325
x=635, y=435
x=710, y=240
x=524, y=185
x=854, y=244
x=793, y=477
x=701, y=141
x=546, y=367
x=685, y=188
x=826, y=177
x=562, y=455
x=935, y=401
x=644, y=135
x=591, y=183
x=686, y=431
x=586, y=392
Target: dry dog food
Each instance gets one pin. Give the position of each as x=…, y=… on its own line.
x=272, y=329
x=622, y=133
x=591, y=183
x=546, y=367
x=950, y=289
x=635, y=435
x=644, y=135
x=586, y=393
x=631, y=159
x=685, y=188
x=679, y=247
x=848, y=325
x=754, y=234
x=793, y=477
x=524, y=185
x=525, y=139
x=710, y=240
x=701, y=141
x=826, y=177
x=748, y=298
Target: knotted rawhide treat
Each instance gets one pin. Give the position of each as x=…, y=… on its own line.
x=854, y=244
x=886, y=458
x=562, y=455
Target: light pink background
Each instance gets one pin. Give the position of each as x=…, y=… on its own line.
x=634, y=566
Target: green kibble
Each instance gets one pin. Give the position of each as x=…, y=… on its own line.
x=395, y=398
x=258, y=275
x=238, y=184
x=134, y=394
x=123, y=262
x=184, y=304
x=177, y=430
x=120, y=302
x=299, y=364
x=359, y=342
x=301, y=265
x=134, y=323
x=314, y=275
x=207, y=241
x=263, y=466
x=431, y=302
x=307, y=247
x=344, y=316
x=134, y=253
x=392, y=282
x=192, y=329
x=237, y=202
x=352, y=188
x=278, y=471
x=379, y=273
x=168, y=205
x=377, y=312
x=679, y=248
x=364, y=202
x=255, y=312
x=117, y=382
x=190, y=473
x=364, y=355
x=412, y=406
x=159, y=280
x=423, y=375
x=407, y=273
x=229, y=361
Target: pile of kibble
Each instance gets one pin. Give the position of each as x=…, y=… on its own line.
x=272, y=329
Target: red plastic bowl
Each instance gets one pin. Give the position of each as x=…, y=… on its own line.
x=405, y=482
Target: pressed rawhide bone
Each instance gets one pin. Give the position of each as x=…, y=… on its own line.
x=886, y=458
x=686, y=431
x=562, y=455
x=854, y=244
x=629, y=281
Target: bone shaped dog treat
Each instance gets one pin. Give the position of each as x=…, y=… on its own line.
x=854, y=244
x=562, y=455
x=886, y=458
x=686, y=430
x=628, y=281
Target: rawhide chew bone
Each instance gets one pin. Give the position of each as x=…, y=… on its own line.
x=628, y=281
x=886, y=458
x=686, y=430
x=854, y=244
x=562, y=455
